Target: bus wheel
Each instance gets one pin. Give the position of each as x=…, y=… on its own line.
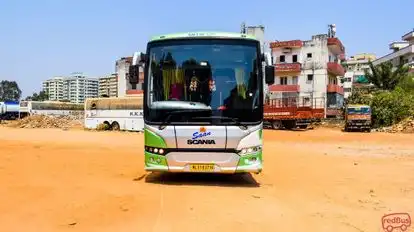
x=289, y=124
x=115, y=126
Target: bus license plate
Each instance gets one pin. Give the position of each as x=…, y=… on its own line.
x=201, y=167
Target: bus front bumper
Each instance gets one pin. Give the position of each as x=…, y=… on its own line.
x=204, y=162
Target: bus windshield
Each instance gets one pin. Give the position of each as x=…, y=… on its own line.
x=220, y=77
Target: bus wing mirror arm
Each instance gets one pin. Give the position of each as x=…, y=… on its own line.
x=269, y=74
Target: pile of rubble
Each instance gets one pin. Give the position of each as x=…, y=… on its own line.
x=44, y=121
x=405, y=126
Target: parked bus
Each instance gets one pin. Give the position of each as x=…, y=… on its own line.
x=203, y=102
x=120, y=113
x=53, y=108
x=9, y=110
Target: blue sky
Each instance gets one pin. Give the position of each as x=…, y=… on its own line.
x=44, y=38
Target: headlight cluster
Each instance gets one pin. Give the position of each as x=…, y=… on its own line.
x=249, y=150
x=155, y=150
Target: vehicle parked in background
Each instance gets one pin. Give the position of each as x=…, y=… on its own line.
x=51, y=108
x=9, y=110
x=118, y=113
x=358, y=117
x=293, y=112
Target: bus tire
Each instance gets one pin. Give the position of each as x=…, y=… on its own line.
x=115, y=126
x=289, y=124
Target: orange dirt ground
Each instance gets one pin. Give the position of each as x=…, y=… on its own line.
x=317, y=180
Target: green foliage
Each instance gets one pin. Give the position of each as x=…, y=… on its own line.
x=407, y=83
x=392, y=100
x=359, y=97
x=9, y=91
x=42, y=96
x=103, y=126
x=390, y=107
x=384, y=77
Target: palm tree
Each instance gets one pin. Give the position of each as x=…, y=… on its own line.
x=384, y=77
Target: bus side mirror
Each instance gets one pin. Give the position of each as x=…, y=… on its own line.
x=133, y=74
x=270, y=74
x=139, y=58
x=142, y=58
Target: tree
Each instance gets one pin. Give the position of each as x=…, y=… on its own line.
x=41, y=96
x=384, y=77
x=407, y=84
x=9, y=91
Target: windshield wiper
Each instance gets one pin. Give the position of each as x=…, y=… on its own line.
x=167, y=121
x=235, y=120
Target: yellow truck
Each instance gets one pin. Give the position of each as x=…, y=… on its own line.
x=358, y=117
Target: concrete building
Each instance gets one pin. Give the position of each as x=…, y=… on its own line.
x=311, y=71
x=75, y=88
x=108, y=86
x=54, y=88
x=124, y=86
x=259, y=33
x=402, y=52
x=355, y=72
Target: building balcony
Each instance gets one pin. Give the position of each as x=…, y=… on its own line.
x=284, y=88
x=287, y=68
x=332, y=88
x=286, y=44
x=336, y=69
x=336, y=46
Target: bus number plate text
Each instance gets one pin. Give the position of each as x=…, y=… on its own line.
x=201, y=167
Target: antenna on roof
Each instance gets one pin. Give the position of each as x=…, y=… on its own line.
x=331, y=30
x=243, y=28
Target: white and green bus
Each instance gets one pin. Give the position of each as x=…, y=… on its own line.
x=203, y=102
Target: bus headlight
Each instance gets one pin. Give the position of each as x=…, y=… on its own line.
x=155, y=150
x=250, y=150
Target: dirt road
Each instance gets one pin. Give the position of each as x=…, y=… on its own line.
x=320, y=180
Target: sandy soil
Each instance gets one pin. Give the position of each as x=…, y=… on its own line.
x=318, y=180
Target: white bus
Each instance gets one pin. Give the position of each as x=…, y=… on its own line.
x=120, y=113
x=28, y=108
x=203, y=102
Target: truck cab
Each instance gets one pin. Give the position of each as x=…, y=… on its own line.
x=358, y=117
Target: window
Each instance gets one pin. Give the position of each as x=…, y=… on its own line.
x=295, y=58
x=294, y=80
x=283, y=80
x=282, y=58
x=309, y=55
x=310, y=77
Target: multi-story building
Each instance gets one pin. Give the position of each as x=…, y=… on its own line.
x=108, y=86
x=310, y=70
x=356, y=66
x=402, y=52
x=124, y=86
x=75, y=88
x=54, y=88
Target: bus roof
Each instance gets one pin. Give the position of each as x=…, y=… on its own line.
x=203, y=34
